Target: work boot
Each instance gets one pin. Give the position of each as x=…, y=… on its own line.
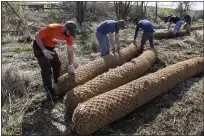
x=50, y=94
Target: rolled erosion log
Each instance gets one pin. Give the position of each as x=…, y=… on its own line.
x=94, y=68
x=103, y=109
x=110, y=80
x=168, y=34
x=199, y=27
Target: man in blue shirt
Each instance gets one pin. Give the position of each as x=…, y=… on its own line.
x=187, y=21
x=148, y=32
x=109, y=27
x=176, y=20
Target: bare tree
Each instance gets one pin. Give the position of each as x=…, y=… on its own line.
x=80, y=8
x=13, y=20
x=122, y=9
x=156, y=11
x=183, y=6
x=142, y=9
x=145, y=8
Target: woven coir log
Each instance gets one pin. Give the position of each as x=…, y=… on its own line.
x=103, y=109
x=199, y=27
x=168, y=34
x=110, y=80
x=94, y=68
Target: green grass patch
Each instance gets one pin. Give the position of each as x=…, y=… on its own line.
x=27, y=48
x=166, y=11
x=4, y=42
x=12, y=130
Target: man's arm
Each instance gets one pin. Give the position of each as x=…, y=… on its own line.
x=39, y=41
x=70, y=54
x=136, y=32
x=117, y=41
x=111, y=40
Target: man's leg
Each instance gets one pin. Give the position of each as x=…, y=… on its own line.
x=107, y=45
x=102, y=43
x=177, y=27
x=56, y=67
x=151, y=40
x=143, y=40
x=46, y=73
x=188, y=28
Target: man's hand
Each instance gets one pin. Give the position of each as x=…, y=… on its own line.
x=48, y=54
x=71, y=69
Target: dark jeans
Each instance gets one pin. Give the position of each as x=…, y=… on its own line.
x=147, y=36
x=48, y=67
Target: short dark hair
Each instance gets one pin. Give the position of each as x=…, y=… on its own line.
x=137, y=21
x=121, y=23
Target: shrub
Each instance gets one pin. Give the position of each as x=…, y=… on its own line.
x=13, y=83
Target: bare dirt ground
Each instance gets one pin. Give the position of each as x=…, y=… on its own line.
x=25, y=111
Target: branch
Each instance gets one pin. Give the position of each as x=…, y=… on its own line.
x=13, y=9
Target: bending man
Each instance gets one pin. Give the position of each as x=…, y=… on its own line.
x=148, y=32
x=43, y=47
x=109, y=27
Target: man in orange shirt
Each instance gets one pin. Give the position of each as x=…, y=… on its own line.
x=43, y=47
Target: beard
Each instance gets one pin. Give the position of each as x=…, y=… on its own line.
x=66, y=34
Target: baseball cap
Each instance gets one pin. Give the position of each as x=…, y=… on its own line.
x=72, y=27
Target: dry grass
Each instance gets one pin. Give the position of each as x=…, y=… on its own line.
x=177, y=112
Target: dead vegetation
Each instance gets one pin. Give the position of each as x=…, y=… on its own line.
x=25, y=112
x=166, y=114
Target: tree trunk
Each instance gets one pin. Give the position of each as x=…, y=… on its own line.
x=156, y=13
x=142, y=9
x=80, y=8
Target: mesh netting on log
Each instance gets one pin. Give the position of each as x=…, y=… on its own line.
x=199, y=27
x=168, y=34
x=103, y=109
x=94, y=68
x=110, y=80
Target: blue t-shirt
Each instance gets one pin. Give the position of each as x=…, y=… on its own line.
x=145, y=25
x=107, y=27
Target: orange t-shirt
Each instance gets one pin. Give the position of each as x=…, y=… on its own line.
x=51, y=35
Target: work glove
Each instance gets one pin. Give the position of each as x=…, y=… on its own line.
x=71, y=69
x=48, y=54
